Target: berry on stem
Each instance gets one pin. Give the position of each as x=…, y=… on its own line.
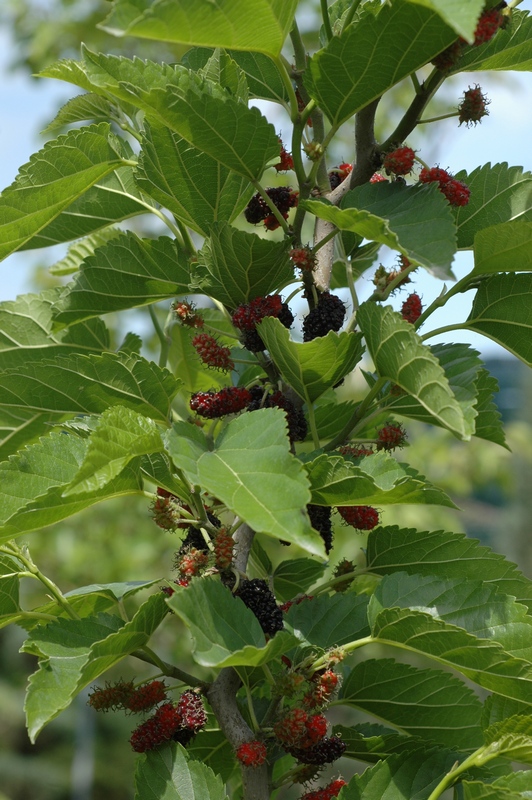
x=399, y=161
x=328, y=315
x=339, y=174
x=327, y=793
x=364, y=518
x=146, y=696
x=286, y=161
x=111, y=697
x=252, y=754
x=412, y=308
x=223, y=549
x=473, y=106
x=320, y=519
x=324, y=752
x=304, y=258
x=212, y=353
x=456, y=192
x=488, y=25
x=187, y=315
x=390, y=436
x=229, y=400
x=256, y=595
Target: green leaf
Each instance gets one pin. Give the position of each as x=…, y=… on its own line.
x=54, y=177
x=116, y=591
x=221, y=68
x=503, y=248
x=400, y=356
x=489, y=421
x=27, y=335
x=198, y=110
x=461, y=364
x=225, y=632
x=296, y=576
x=511, y=738
x=32, y=484
x=329, y=621
x=250, y=465
x=121, y=435
x=127, y=272
x=195, y=187
x=510, y=49
x=158, y=468
x=426, y=703
x=9, y=590
x=212, y=749
x=263, y=77
x=83, y=108
x=372, y=56
x=476, y=790
x=482, y=661
x=374, y=745
x=79, y=384
x=73, y=653
x=226, y=23
x=82, y=249
x=472, y=605
x=499, y=194
x=516, y=781
x=235, y=267
x=374, y=480
x=501, y=311
x=449, y=555
x=460, y=16
x=111, y=200
x=398, y=216
x=19, y=428
x=332, y=418
x=409, y=776
x=169, y=773
x=311, y=367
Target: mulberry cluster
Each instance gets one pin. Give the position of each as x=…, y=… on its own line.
x=111, y=697
x=412, y=308
x=320, y=519
x=328, y=315
x=343, y=568
x=456, y=192
x=229, y=400
x=187, y=314
x=256, y=595
x=327, y=793
x=212, y=353
x=166, y=511
x=191, y=563
x=295, y=418
x=339, y=174
x=488, y=25
x=286, y=161
x=364, y=518
x=247, y=317
x=257, y=210
x=179, y=723
x=299, y=729
x=324, y=686
x=190, y=707
x=252, y=754
x=378, y=178
x=324, y=752
x=146, y=696
x=399, y=161
x=473, y=106
x=390, y=436
x=223, y=549
x=304, y=258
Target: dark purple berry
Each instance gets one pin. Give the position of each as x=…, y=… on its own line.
x=320, y=519
x=324, y=752
x=328, y=315
x=256, y=595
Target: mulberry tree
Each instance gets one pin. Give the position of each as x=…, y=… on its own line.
x=278, y=406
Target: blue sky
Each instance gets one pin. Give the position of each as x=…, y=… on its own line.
x=28, y=105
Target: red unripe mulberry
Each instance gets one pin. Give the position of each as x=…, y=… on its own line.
x=488, y=25
x=473, y=106
x=364, y=518
x=412, y=308
x=399, y=161
x=212, y=353
x=252, y=754
x=229, y=400
x=390, y=436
